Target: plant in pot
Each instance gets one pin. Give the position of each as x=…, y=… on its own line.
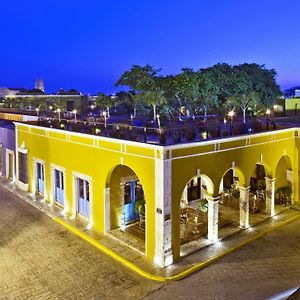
x=140, y=210
x=203, y=205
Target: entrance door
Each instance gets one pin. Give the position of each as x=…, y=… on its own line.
x=59, y=187
x=83, y=197
x=10, y=166
x=129, y=202
x=40, y=171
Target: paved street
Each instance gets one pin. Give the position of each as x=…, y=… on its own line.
x=260, y=270
x=42, y=260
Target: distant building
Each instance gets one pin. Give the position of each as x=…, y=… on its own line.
x=39, y=85
x=297, y=93
x=6, y=92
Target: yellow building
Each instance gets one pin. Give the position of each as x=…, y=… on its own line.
x=99, y=180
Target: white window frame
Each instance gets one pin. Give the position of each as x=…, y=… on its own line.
x=90, y=219
x=22, y=185
x=54, y=167
x=8, y=152
x=34, y=182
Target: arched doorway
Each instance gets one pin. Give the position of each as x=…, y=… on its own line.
x=125, y=209
x=193, y=211
x=257, y=194
x=229, y=208
x=284, y=182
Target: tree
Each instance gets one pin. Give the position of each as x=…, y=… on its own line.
x=106, y=101
x=145, y=84
x=253, y=87
x=206, y=92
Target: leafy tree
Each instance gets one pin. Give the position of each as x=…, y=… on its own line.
x=106, y=101
x=143, y=81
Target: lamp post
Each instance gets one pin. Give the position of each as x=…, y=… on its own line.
x=50, y=107
x=75, y=115
x=105, y=118
x=58, y=111
x=158, y=121
x=104, y=114
x=37, y=111
x=230, y=115
x=268, y=112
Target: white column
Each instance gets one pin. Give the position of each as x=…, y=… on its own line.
x=290, y=182
x=244, y=207
x=163, y=218
x=213, y=218
x=270, y=196
x=184, y=197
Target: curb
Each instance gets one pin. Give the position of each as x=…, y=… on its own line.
x=182, y=274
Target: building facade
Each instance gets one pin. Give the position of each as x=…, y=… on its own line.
x=100, y=180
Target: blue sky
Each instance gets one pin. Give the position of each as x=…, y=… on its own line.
x=88, y=44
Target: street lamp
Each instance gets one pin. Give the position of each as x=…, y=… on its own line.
x=58, y=111
x=268, y=113
x=158, y=121
x=37, y=111
x=230, y=115
x=75, y=116
x=105, y=118
x=50, y=107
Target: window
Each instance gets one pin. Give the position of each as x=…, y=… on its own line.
x=23, y=174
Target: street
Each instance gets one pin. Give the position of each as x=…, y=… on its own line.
x=42, y=260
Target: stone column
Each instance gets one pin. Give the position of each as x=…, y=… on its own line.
x=213, y=218
x=244, y=206
x=290, y=182
x=270, y=196
x=184, y=197
x=163, y=216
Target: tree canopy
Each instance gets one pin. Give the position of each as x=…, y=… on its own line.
x=242, y=87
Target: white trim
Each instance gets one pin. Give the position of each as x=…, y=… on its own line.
x=35, y=161
x=22, y=148
x=10, y=152
x=75, y=176
x=53, y=201
x=99, y=138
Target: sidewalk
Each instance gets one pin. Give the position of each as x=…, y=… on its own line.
x=136, y=261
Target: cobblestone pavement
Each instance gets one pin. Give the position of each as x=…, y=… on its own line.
x=39, y=259
x=264, y=268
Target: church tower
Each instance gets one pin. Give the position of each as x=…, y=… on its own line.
x=39, y=85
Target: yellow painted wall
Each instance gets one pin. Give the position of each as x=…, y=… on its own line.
x=245, y=152
x=85, y=154
x=97, y=157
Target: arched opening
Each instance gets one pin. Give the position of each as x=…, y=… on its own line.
x=257, y=194
x=229, y=205
x=126, y=207
x=193, y=212
x=284, y=182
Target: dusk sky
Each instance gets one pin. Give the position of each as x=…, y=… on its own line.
x=88, y=44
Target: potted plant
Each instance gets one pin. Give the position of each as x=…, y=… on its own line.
x=203, y=205
x=140, y=210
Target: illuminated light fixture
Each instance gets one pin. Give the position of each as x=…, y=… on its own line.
x=50, y=107
x=74, y=111
x=231, y=114
x=58, y=111
x=268, y=112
